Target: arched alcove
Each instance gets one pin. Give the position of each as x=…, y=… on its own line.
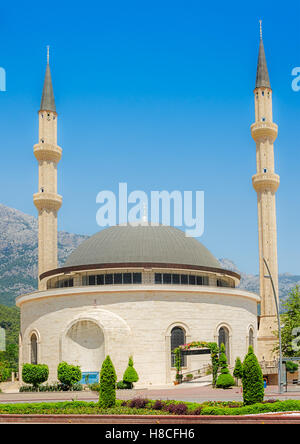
x=84, y=345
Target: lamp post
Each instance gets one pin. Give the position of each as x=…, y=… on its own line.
x=269, y=276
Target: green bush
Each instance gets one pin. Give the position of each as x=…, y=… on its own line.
x=95, y=387
x=35, y=374
x=122, y=385
x=225, y=381
x=252, y=380
x=108, y=379
x=130, y=375
x=68, y=374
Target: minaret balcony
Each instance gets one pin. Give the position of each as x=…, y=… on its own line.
x=262, y=130
x=265, y=182
x=47, y=151
x=47, y=201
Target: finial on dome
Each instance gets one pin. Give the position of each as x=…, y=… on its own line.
x=260, y=29
x=145, y=213
x=48, y=54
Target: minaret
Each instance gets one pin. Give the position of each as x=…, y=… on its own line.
x=265, y=183
x=47, y=201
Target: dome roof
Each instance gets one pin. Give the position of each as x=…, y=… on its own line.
x=141, y=244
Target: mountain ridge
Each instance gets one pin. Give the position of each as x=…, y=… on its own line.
x=18, y=257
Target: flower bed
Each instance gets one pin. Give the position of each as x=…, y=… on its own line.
x=139, y=406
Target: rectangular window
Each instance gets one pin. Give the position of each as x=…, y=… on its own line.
x=108, y=279
x=92, y=280
x=192, y=280
x=167, y=278
x=127, y=278
x=100, y=279
x=199, y=280
x=184, y=279
x=175, y=279
x=158, y=278
x=137, y=278
x=118, y=278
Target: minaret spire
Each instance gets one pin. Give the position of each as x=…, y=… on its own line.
x=46, y=200
x=48, y=102
x=265, y=182
x=262, y=75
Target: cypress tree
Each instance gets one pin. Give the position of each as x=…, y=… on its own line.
x=108, y=379
x=252, y=380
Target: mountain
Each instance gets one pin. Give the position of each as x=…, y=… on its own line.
x=18, y=257
x=250, y=282
x=18, y=253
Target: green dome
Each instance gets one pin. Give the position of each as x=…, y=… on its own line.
x=142, y=244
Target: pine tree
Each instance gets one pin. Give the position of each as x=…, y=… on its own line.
x=252, y=380
x=108, y=379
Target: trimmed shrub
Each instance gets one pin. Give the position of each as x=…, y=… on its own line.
x=238, y=369
x=130, y=375
x=35, y=374
x=224, y=380
x=253, y=383
x=68, y=374
x=108, y=379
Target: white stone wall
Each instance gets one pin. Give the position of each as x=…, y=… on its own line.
x=135, y=322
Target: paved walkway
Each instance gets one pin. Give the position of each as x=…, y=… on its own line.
x=184, y=392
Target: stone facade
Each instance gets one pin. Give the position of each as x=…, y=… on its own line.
x=83, y=324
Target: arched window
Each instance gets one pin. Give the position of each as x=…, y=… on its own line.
x=33, y=349
x=251, y=337
x=177, y=338
x=223, y=338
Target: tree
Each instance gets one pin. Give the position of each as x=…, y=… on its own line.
x=252, y=380
x=68, y=374
x=130, y=375
x=35, y=374
x=108, y=379
x=290, y=320
x=238, y=369
x=224, y=380
x=4, y=371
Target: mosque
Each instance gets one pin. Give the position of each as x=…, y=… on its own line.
x=143, y=290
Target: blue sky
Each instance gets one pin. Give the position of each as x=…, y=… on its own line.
x=159, y=95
